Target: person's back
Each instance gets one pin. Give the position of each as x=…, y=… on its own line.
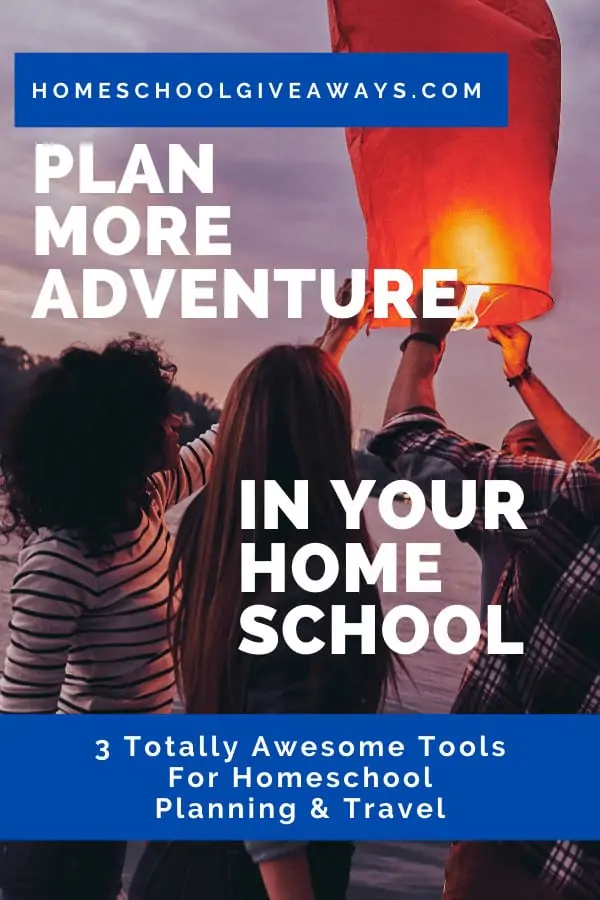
x=90, y=463
x=99, y=618
x=550, y=599
x=522, y=440
x=287, y=420
x=112, y=627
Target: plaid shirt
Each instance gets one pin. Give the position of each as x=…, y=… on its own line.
x=550, y=591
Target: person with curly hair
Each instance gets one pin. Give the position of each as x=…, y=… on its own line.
x=91, y=463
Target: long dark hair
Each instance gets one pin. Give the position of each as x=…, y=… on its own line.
x=286, y=418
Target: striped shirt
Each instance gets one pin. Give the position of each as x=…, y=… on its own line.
x=88, y=632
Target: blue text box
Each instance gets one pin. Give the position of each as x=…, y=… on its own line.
x=317, y=90
x=542, y=787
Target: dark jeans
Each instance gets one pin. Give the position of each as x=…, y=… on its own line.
x=61, y=871
x=224, y=871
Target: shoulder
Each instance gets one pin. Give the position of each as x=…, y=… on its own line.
x=202, y=445
x=54, y=556
x=590, y=451
x=60, y=545
x=580, y=487
x=154, y=490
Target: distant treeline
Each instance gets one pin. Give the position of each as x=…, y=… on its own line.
x=18, y=368
x=199, y=411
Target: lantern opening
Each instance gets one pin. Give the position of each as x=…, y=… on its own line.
x=481, y=248
x=482, y=306
x=500, y=304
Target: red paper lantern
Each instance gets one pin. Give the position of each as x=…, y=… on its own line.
x=472, y=199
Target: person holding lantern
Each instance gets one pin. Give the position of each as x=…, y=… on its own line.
x=551, y=434
x=553, y=615
x=523, y=439
x=568, y=439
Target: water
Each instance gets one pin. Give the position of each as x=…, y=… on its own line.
x=406, y=871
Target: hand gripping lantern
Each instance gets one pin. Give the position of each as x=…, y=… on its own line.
x=472, y=199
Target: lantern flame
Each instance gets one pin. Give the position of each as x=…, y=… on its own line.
x=481, y=244
x=467, y=318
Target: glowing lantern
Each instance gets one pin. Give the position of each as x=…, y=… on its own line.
x=476, y=200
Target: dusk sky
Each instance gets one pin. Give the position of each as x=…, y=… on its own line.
x=294, y=204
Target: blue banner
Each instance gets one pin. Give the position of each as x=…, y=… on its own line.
x=376, y=778
x=264, y=90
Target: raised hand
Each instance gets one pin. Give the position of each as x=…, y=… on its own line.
x=339, y=332
x=514, y=342
x=437, y=328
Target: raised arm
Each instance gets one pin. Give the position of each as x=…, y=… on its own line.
x=47, y=602
x=418, y=447
x=566, y=436
x=192, y=473
x=339, y=333
x=287, y=877
x=416, y=444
